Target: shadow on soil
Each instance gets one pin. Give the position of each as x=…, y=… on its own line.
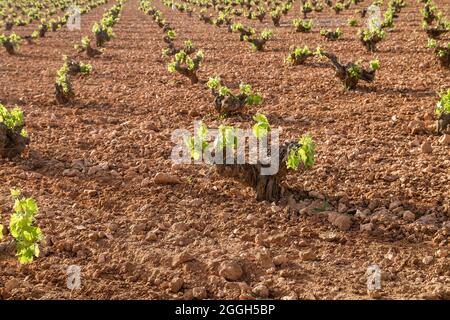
x=418, y=93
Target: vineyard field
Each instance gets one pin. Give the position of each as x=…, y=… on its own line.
x=363, y=183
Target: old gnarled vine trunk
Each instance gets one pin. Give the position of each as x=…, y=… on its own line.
x=443, y=122
x=12, y=143
x=266, y=187
x=342, y=72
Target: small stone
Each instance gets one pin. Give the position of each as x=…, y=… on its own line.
x=90, y=193
x=93, y=170
x=362, y=213
x=78, y=164
x=445, y=140
x=112, y=227
x=260, y=239
x=243, y=286
x=280, y=259
x=290, y=296
x=342, y=221
x=104, y=165
x=375, y=203
x=193, y=113
x=230, y=270
x=261, y=291
x=265, y=260
x=275, y=208
x=11, y=285
x=289, y=119
x=395, y=204
x=180, y=227
x=199, y=293
x=176, y=284
x=188, y=294
x=145, y=182
x=329, y=236
x=138, y=228
x=93, y=236
x=427, y=219
x=165, y=178
x=101, y=258
x=151, y=236
x=426, y=147
x=246, y=296
x=367, y=227
x=101, y=235
x=427, y=260
x=182, y=258
x=196, y=203
x=409, y=216
x=342, y=208
x=37, y=293
x=70, y=173
x=308, y=255
x=271, y=270
x=441, y=253
x=416, y=126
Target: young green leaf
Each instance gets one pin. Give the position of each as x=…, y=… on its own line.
x=27, y=236
x=304, y=154
x=214, y=83
x=226, y=138
x=374, y=65
x=443, y=105
x=11, y=119
x=197, y=144
x=262, y=126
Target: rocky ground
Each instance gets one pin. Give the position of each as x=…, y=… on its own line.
x=378, y=194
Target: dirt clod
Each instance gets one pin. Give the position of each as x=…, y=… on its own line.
x=230, y=270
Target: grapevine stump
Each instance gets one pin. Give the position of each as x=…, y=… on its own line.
x=267, y=187
x=12, y=143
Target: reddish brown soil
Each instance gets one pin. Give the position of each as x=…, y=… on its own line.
x=91, y=165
